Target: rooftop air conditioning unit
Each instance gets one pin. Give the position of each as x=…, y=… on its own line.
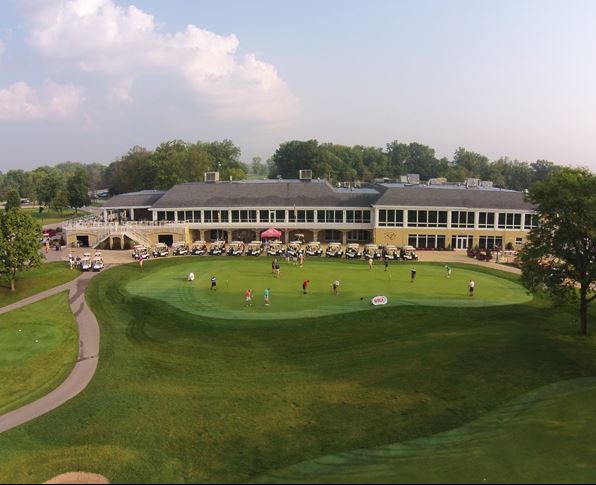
x=211, y=177
x=305, y=175
x=486, y=184
x=472, y=182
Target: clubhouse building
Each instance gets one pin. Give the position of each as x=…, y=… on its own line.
x=427, y=216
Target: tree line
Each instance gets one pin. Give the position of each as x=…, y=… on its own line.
x=176, y=161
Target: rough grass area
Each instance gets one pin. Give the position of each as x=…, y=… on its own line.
x=38, y=279
x=182, y=397
x=38, y=349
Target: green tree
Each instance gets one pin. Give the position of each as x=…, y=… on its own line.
x=60, y=202
x=258, y=167
x=49, y=185
x=560, y=254
x=77, y=188
x=13, y=200
x=19, y=244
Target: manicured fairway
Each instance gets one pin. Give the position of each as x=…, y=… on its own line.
x=50, y=216
x=186, y=397
x=38, y=349
x=531, y=439
x=168, y=283
x=39, y=279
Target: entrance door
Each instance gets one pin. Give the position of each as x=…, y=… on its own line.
x=462, y=242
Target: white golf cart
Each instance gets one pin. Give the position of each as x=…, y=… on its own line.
x=254, y=248
x=353, y=251
x=334, y=250
x=236, y=248
x=391, y=251
x=275, y=249
x=371, y=251
x=86, y=263
x=180, y=248
x=160, y=250
x=408, y=253
x=217, y=248
x=314, y=249
x=97, y=263
x=140, y=252
x=199, y=248
x=295, y=248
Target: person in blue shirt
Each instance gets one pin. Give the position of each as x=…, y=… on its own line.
x=213, y=283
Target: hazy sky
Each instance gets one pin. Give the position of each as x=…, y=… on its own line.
x=85, y=80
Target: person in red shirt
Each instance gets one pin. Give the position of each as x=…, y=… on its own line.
x=248, y=297
x=305, y=284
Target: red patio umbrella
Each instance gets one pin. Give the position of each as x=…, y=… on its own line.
x=271, y=233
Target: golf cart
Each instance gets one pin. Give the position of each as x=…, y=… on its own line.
x=371, y=251
x=160, y=250
x=217, y=248
x=391, y=251
x=140, y=252
x=254, y=248
x=236, y=248
x=97, y=263
x=314, y=249
x=275, y=249
x=180, y=248
x=295, y=248
x=334, y=250
x=86, y=263
x=353, y=251
x=408, y=253
x=199, y=248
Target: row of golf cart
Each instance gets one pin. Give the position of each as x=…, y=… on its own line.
x=87, y=263
x=278, y=249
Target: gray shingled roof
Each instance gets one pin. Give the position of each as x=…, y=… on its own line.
x=285, y=193
x=144, y=198
x=437, y=196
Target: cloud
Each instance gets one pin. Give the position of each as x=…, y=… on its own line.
x=21, y=102
x=2, y=47
x=98, y=36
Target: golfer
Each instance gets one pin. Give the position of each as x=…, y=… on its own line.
x=248, y=297
x=370, y=263
x=191, y=276
x=305, y=284
x=448, y=269
x=412, y=275
x=471, y=286
x=213, y=283
x=335, y=286
x=386, y=262
x=266, y=296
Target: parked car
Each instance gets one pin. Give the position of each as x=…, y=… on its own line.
x=140, y=252
x=275, y=249
x=236, y=248
x=180, y=248
x=160, y=250
x=314, y=249
x=254, y=248
x=199, y=248
x=334, y=250
x=97, y=264
x=217, y=248
x=408, y=253
x=353, y=251
x=371, y=251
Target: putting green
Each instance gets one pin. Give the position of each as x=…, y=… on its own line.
x=166, y=281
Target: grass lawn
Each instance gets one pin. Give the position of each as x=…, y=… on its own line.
x=38, y=349
x=35, y=280
x=49, y=216
x=183, y=396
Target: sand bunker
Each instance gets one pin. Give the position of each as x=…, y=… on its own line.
x=79, y=477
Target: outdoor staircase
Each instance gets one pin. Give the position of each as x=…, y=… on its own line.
x=117, y=230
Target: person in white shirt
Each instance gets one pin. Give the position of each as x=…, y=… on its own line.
x=191, y=276
x=471, y=286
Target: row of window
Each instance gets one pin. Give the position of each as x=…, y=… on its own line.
x=361, y=236
x=269, y=216
x=459, y=219
x=437, y=241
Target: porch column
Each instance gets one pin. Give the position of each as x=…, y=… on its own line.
x=344, y=237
